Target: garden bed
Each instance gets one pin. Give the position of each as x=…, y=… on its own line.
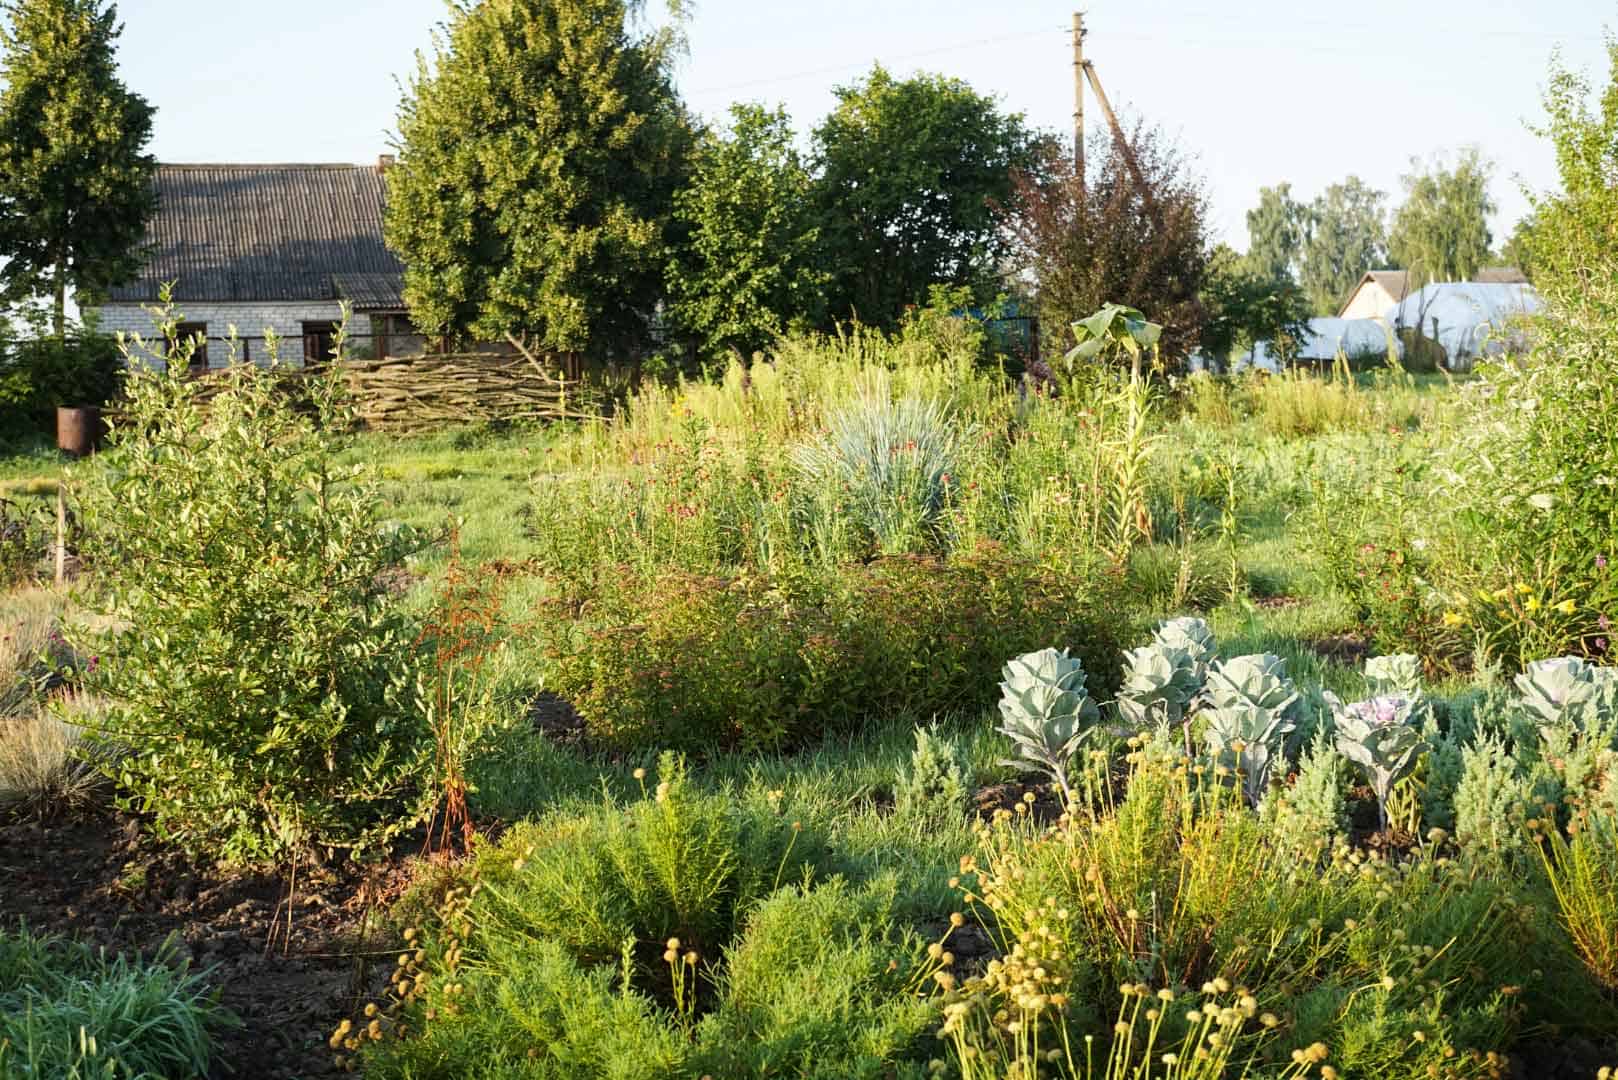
x=96, y=881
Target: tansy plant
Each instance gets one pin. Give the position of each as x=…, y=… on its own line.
x=1251, y=707
x=1048, y=712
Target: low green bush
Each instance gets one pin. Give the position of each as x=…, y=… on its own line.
x=1392, y=966
x=39, y=373
x=69, y=1011
x=256, y=666
x=682, y=935
x=702, y=663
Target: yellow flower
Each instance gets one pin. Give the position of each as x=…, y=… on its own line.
x=1530, y=604
x=1523, y=589
x=1566, y=607
x=1454, y=618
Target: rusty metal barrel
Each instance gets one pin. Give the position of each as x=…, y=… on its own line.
x=78, y=430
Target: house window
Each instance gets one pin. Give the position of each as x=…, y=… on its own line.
x=319, y=342
x=187, y=332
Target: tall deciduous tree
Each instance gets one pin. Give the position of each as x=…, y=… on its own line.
x=1277, y=229
x=1346, y=238
x=75, y=178
x=1571, y=240
x=1441, y=233
x=538, y=159
x=910, y=174
x=1244, y=305
x=749, y=266
x=1129, y=237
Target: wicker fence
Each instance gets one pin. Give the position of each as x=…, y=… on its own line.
x=416, y=393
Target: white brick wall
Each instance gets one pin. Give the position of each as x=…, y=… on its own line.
x=250, y=321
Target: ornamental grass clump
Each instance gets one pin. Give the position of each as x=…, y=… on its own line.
x=1251, y=708
x=1048, y=713
x=68, y=1010
x=887, y=466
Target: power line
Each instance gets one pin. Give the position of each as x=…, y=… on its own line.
x=974, y=44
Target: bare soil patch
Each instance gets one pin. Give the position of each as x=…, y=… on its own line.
x=97, y=881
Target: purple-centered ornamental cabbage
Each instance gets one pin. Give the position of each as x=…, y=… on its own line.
x=1381, y=737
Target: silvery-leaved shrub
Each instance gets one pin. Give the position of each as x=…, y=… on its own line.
x=935, y=779
x=1047, y=712
x=885, y=464
x=1250, y=707
x=1394, y=676
x=1307, y=818
x=1382, y=738
x=1193, y=636
x=1493, y=801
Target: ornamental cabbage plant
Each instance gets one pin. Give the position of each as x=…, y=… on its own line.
x=1251, y=707
x=1381, y=736
x=1047, y=712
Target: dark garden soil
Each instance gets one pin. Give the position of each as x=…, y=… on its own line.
x=1349, y=649
x=97, y=881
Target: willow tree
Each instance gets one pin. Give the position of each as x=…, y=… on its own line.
x=75, y=178
x=539, y=151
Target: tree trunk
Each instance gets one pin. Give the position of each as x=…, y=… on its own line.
x=60, y=323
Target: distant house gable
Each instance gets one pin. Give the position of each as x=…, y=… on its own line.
x=1377, y=293
x=268, y=234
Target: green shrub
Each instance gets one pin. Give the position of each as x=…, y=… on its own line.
x=254, y=663
x=39, y=373
x=1493, y=800
x=69, y=1011
x=704, y=663
x=1534, y=568
x=936, y=779
x=682, y=935
x=1181, y=887
x=676, y=864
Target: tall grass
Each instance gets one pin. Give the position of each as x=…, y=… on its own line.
x=41, y=765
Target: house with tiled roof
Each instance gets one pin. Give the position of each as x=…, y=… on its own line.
x=270, y=250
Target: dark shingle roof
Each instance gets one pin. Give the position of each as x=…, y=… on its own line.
x=267, y=232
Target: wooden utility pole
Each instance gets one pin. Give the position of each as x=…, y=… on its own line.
x=1078, y=94
x=1123, y=141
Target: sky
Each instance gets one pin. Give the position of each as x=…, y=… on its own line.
x=1255, y=94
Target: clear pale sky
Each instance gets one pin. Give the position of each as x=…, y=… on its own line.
x=1257, y=93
